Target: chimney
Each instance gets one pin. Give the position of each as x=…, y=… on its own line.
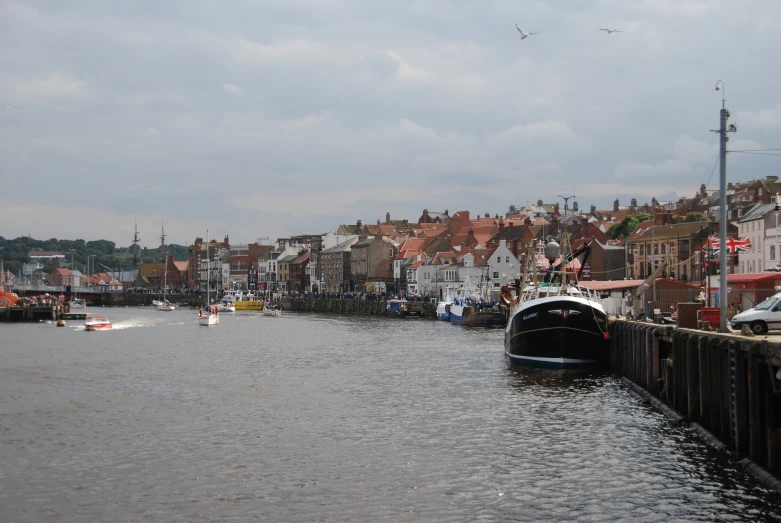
x=593, y=209
x=634, y=203
x=575, y=207
x=527, y=221
x=615, y=205
x=488, y=215
x=378, y=221
x=387, y=218
x=359, y=225
x=501, y=224
x=470, y=237
x=584, y=222
x=659, y=218
x=539, y=203
x=554, y=224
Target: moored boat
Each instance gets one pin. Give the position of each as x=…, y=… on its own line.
x=555, y=322
x=404, y=309
x=77, y=303
x=98, y=323
x=243, y=301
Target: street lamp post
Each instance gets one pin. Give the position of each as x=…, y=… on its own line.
x=723, y=115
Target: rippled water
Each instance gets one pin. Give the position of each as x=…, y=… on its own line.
x=330, y=418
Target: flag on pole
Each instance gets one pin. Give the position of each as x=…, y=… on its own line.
x=734, y=245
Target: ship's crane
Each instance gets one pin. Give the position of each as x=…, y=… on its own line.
x=637, y=295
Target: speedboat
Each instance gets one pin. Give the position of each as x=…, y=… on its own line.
x=224, y=306
x=271, y=312
x=166, y=306
x=98, y=323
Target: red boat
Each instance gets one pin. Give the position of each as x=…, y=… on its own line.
x=98, y=323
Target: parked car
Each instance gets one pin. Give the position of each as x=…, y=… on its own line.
x=763, y=317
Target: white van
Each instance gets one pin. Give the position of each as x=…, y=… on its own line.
x=765, y=316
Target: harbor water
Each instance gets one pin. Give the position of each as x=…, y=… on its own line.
x=311, y=417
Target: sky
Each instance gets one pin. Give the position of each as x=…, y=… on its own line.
x=265, y=119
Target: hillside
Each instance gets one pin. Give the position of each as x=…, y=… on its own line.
x=107, y=256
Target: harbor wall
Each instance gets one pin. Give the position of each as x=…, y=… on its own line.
x=350, y=306
x=726, y=387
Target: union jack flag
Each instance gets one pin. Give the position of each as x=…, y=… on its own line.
x=734, y=245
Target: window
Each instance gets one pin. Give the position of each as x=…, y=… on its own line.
x=772, y=252
x=656, y=248
x=642, y=249
x=496, y=274
x=507, y=259
x=683, y=246
x=664, y=248
x=498, y=259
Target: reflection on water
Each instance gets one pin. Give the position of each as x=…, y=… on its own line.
x=338, y=418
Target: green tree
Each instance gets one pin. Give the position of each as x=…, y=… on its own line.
x=696, y=217
x=628, y=225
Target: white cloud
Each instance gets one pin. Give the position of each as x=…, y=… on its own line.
x=691, y=151
x=50, y=86
x=765, y=118
x=667, y=168
x=232, y=89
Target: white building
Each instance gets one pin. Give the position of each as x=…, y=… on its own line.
x=503, y=266
x=753, y=225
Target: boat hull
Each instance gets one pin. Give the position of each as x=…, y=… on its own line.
x=443, y=311
x=469, y=316
x=209, y=320
x=559, y=332
x=248, y=305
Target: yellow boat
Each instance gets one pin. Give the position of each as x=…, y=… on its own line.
x=244, y=300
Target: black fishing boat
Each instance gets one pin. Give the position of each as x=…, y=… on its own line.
x=553, y=321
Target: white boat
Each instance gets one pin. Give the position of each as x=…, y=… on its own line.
x=271, y=312
x=98, y=323
x=77, y=303
x=165, y=305
x=210, y=316
x=225, y=306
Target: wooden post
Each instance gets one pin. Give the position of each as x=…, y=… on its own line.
x=693, y=378
x=757, y=425
x=724, y=387
x=658, y=372
x=740, y=384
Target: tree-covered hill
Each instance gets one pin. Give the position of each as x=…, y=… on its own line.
x=107, y=256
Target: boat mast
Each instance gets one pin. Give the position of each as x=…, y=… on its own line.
x=136, y=239
x=565, y=247
x=165, y=257
x=208, y=271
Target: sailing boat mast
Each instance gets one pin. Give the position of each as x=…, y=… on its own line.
x=136, y=239
x=208, y=272
x=165, y=258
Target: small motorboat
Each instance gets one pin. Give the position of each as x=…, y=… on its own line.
x=98, y=323
x=61, y=323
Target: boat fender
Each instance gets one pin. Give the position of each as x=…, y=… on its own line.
x=606, y=335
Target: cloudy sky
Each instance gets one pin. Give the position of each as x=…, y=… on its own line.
x=269, y=118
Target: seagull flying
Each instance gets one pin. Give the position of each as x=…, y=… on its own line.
x=609, y=31
x=523, y=35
